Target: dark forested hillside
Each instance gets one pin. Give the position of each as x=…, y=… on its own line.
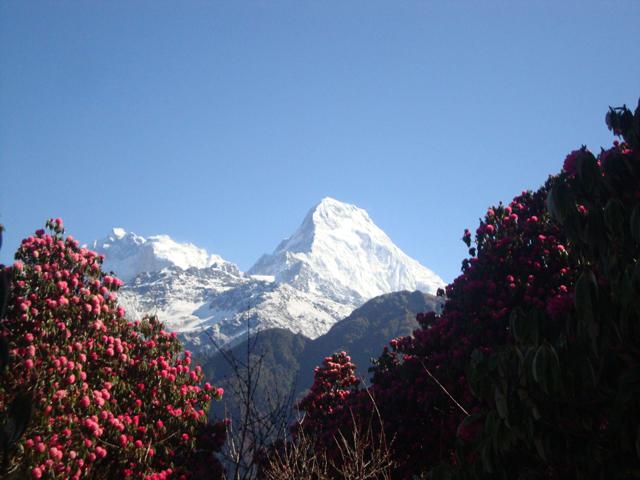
x=365, y=332
x=274, y=355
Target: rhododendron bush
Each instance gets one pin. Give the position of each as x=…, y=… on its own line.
x=532, y=370
x=325, y=406
x=111, y=398
x=562, y=399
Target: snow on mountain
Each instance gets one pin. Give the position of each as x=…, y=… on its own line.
x=179, y=297
x=332, y=264
x=338, y=252
x=129, y=254
x=210, y=302
x=262, y=305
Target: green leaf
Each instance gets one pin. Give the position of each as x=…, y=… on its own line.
x=476, y=374
x=441, y=472
x=468, y=421
x=586, y=297
x=537, y=441
x=588, y=171
x=635, y=223
x=477, y=356
x=525, y=328
x=589, y=373
x=573, y=226
x=594, y=233
x=517, y=320
x=614, y=217
x=635, y=287
x=560, y=201
x=546, y=368
x=5, y=287
x=486, y=458
x=630, y=377
x=617, y=171
x=491, y=424
x=17, y=419
x=626, y=288
x=553, y=369
x=501, y=403
x=4, y=354
x=19, y=474
x=537, y=366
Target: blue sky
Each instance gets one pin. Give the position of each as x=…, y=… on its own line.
x=223, y=123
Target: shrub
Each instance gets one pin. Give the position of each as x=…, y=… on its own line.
x=333, y=440
x=325, y=405
x=111, y=398
x=562, y=400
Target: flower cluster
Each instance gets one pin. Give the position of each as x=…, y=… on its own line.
x=325, y=403
x=112, y=398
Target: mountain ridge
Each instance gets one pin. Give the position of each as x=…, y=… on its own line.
x=129, y=254
x=333, y=263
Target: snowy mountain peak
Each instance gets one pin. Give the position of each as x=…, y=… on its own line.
x=331, y=214
x=129, y=254
x=118, y=232
x=334, y=262
x=340, y=253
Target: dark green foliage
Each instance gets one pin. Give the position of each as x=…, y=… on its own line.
x=4, y=291
x=14, y=421
x=4, y=354
x=15, y=424
x=563, y=400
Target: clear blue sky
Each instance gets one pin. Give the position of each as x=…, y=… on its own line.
x=222, y=123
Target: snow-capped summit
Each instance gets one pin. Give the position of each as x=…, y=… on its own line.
x=129, y=254
x=338, y=252
x=118, y=232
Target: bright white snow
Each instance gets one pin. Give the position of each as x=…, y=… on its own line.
x=338, y=251
x=129, y=254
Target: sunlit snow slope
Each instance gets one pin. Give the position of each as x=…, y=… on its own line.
x=338, y=252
